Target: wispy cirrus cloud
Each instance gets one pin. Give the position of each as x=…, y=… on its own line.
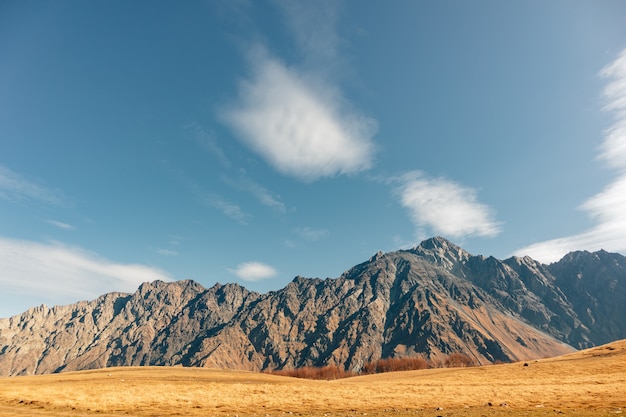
x=17, y=188
x=228, y=208
x=207, y=140
x=311, y=234
x=54, y=273
x=445, y=207
x=613, y=149
x=314, y=29
x=213, y=200
x=60, y=225
x=300, y=126
x=607, y=208
x=166, y=252
x=306, y=233
x=262, y=194
x=253, y=271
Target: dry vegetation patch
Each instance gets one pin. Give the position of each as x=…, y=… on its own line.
x=592, y=382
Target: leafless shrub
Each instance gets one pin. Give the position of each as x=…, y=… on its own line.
x=458, y=360
x=311, y=372
x=395, y=364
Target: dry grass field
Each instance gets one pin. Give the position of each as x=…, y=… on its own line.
x=591, y=382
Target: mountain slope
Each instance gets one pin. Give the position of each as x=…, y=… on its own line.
x=433, y=300
x=595, y=284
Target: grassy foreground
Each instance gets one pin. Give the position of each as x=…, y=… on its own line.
x=591, y=382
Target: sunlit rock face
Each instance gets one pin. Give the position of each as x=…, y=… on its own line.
x=432, y=300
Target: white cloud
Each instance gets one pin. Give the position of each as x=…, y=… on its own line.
x=58, y=274
x=253, y=271
x=166, y=252
x=445, y=207
x=607, y=208
x=301, y=127
x=311, y=234
x=60, y=225
x=14, y=187
x=613, y=150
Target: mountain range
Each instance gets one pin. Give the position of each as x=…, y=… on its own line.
x=432, y=300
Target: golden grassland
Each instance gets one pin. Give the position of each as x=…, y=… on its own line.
x=586, y=383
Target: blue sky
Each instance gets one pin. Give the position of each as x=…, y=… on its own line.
x=250, y=142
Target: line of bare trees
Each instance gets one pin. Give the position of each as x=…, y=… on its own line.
x=454, y=360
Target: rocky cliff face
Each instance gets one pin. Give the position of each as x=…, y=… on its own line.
x=595, y=285
x=433, y=300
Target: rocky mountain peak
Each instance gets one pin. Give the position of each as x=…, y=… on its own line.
x=522, y=260
x=442, y=252
x=526, y=263
x=376, y=256
x=159, y=285
x=583, y=257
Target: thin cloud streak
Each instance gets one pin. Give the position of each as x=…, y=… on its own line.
x=607, y=208
x=213, y=200
x=60, y=225
x=262, y=194
x=445, y=207
x=313, y=25
x=253, y=271
x=166, y=252
x=302, y=128
x=56, y=273
x=227, y=208
x=16, y=188
x=311, y=234
x=207, y=140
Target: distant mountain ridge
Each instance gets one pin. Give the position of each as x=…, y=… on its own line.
x=433, y=300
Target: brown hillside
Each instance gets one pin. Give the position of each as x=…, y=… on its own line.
x=590, y=382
